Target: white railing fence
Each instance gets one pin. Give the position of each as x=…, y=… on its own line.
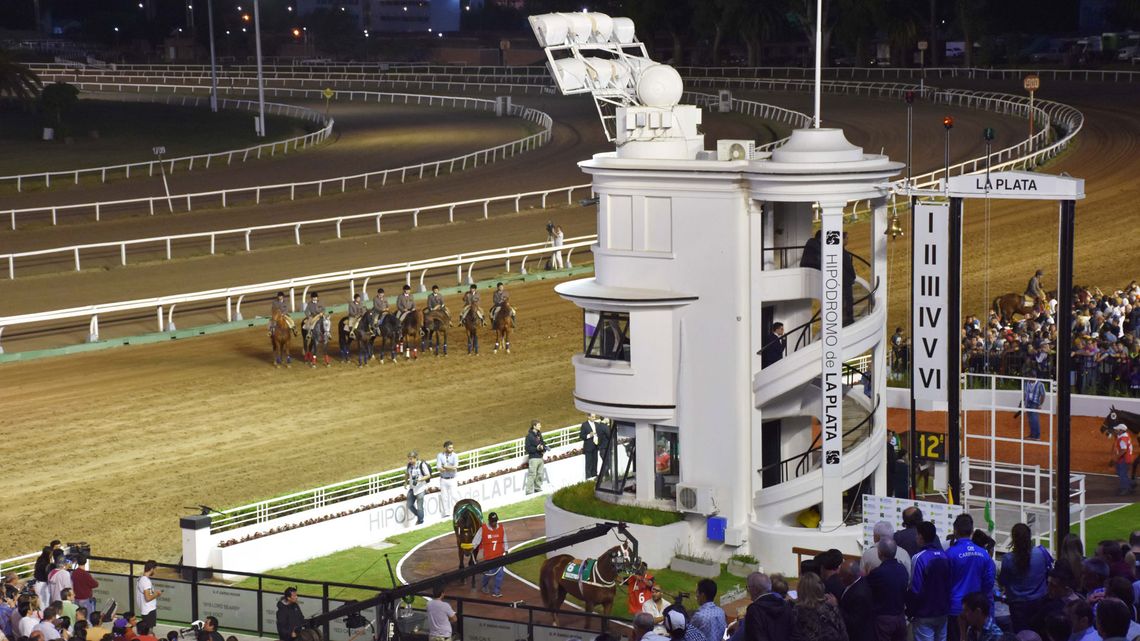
x=269, y=509
x=338, y=184
x=203, y=161
x=22, y=565
x=166, y=245
x=916, y=73
x=232, y=297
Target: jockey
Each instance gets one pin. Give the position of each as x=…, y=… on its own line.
x=471, y=299
x=640, y=586
x=1035, y=291
x=355, y=313
x=279, y=305
x=435, y=301
x=380, y=305
x=404, y=304
x=313, y=309
x=494, y=536
x=500, y=298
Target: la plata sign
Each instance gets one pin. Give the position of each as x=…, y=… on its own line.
x=1026, y=185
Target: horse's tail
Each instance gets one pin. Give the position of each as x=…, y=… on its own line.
x=548, y=582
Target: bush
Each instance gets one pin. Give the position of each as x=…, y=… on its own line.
x=745, y=558
x=580, y=499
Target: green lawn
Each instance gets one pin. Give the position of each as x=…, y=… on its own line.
x=366, y=566
x=127, y=132
x=580, y=499
x=1114, y=526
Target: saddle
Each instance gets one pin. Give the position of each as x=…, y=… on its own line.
x=585, y=573
x=352, y=324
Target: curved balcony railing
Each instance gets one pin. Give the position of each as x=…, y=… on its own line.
x=805, y=331
x=808, y=460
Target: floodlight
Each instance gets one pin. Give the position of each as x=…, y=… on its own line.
x=571, y=74
x=623, y=31
x=603, y=26
x=659, y=86
x=550, y=29
x=581, y=28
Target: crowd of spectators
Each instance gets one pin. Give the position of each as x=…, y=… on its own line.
x=912, y=584
x=1106, y=343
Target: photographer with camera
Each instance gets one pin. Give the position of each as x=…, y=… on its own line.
x=290, y=621
x=209, y=631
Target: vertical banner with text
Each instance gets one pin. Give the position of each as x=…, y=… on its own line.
x=928, y=316
x=831, y=324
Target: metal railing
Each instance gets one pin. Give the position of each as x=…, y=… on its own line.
x=809, y=459
x=915, y=73
x=277, y=507
x=72, y=253
x=163, y=306
x=203, y=160
x=23, y=565
x=431, y=168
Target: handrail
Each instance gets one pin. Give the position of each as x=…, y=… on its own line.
x=279, y=506
x=294, y=111
x=488, y=155
x=228, y=294
x=815, y=317
x=74, y=251
x=802, y=457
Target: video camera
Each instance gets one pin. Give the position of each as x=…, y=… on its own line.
x=193, y=630
x=72, y=551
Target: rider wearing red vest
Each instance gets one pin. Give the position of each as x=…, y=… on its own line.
x=491, y=538
x=640, y=586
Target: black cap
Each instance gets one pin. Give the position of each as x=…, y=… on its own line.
x=313, y=295
x=280, y=294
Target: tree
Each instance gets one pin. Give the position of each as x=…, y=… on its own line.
x=56, y=101
x=16, y=80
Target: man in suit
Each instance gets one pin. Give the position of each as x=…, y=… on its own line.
x=591, y=435
x=856, y=604
x=773, y=346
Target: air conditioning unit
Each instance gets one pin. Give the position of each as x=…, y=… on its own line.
x=735, y=149
x=696, y=499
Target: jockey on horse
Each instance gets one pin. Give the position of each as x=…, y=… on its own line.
x=471, y=299
x=435, y=303
x=404, y=304
x=1035, y=292
x=380, y=306
x=280, y=306
x=355, y=313
x=314, y=313
x=500, y=297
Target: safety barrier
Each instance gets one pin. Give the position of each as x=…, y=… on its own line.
x=474, y=159
x=203, y=160
x=163, y=306
x=269, y=509
x=73, y=252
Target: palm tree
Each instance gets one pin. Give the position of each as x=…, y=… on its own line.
x=16, y=80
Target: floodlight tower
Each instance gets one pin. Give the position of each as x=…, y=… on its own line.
x=698, y=254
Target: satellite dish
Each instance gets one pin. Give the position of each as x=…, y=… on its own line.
x=659, y=86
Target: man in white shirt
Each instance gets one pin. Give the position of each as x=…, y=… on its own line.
x=29, y=618
x=47, y=627
x=447, y=464
x=440, y=617
x=146, y=597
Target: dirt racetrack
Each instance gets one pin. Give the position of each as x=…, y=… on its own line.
x=138, y=433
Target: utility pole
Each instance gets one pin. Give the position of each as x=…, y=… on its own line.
x=213, y=60
x=260, y=77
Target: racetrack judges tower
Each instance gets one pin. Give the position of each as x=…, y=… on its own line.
x=698, y=254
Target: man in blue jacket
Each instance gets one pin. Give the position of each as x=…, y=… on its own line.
x=928, y=599
x=971, y=570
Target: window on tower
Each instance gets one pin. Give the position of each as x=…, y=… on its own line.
x=606, y=335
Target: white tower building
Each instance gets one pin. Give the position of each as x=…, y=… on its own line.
x=696, y=257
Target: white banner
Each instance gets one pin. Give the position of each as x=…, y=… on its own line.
x=831, y=324
x=928, y=316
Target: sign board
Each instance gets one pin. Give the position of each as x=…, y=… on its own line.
x=544, y=633
x=176, y=601
x=1032, y=82
x=932, y=446
x=890, y=509
x=928, y=317
x=112, y=587
x=1025, y=185
x=831, y=321
x=233, y=607
x=922, y=45
x=328, y=93
x=478, y=629
x=158, y=151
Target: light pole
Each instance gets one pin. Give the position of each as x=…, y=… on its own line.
x=213, y=62
x=260, y=77
x=1031, y=83
x=948, y=123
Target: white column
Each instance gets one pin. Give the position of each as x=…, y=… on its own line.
x=761, y=228
x=196, y=541
x=879, y=249
x=831, y=362
x=644, y=460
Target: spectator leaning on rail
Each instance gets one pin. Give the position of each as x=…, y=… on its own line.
x=290, y=621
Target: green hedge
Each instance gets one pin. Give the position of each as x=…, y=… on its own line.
x=580, y=499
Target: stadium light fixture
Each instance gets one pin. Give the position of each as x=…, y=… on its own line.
x=638, y=99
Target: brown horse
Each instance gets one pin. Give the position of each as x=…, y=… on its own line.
x=435, y=329
x=501, y=324
x=280, y=337
x=466, y=518
x=1006, y=305
x=598, y=587
x=470, y=322
x=410, y=331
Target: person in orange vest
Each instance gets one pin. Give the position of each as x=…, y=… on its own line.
x=640, y=586
x=491, y=538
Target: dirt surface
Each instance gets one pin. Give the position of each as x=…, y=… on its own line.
x=150, y=429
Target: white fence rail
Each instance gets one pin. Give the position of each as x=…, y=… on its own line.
x=202, y=160
x=167, y=243
x=363, y=180
x=232, y=297
x=269, y=509
x=22, y=565
x=915, y=73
